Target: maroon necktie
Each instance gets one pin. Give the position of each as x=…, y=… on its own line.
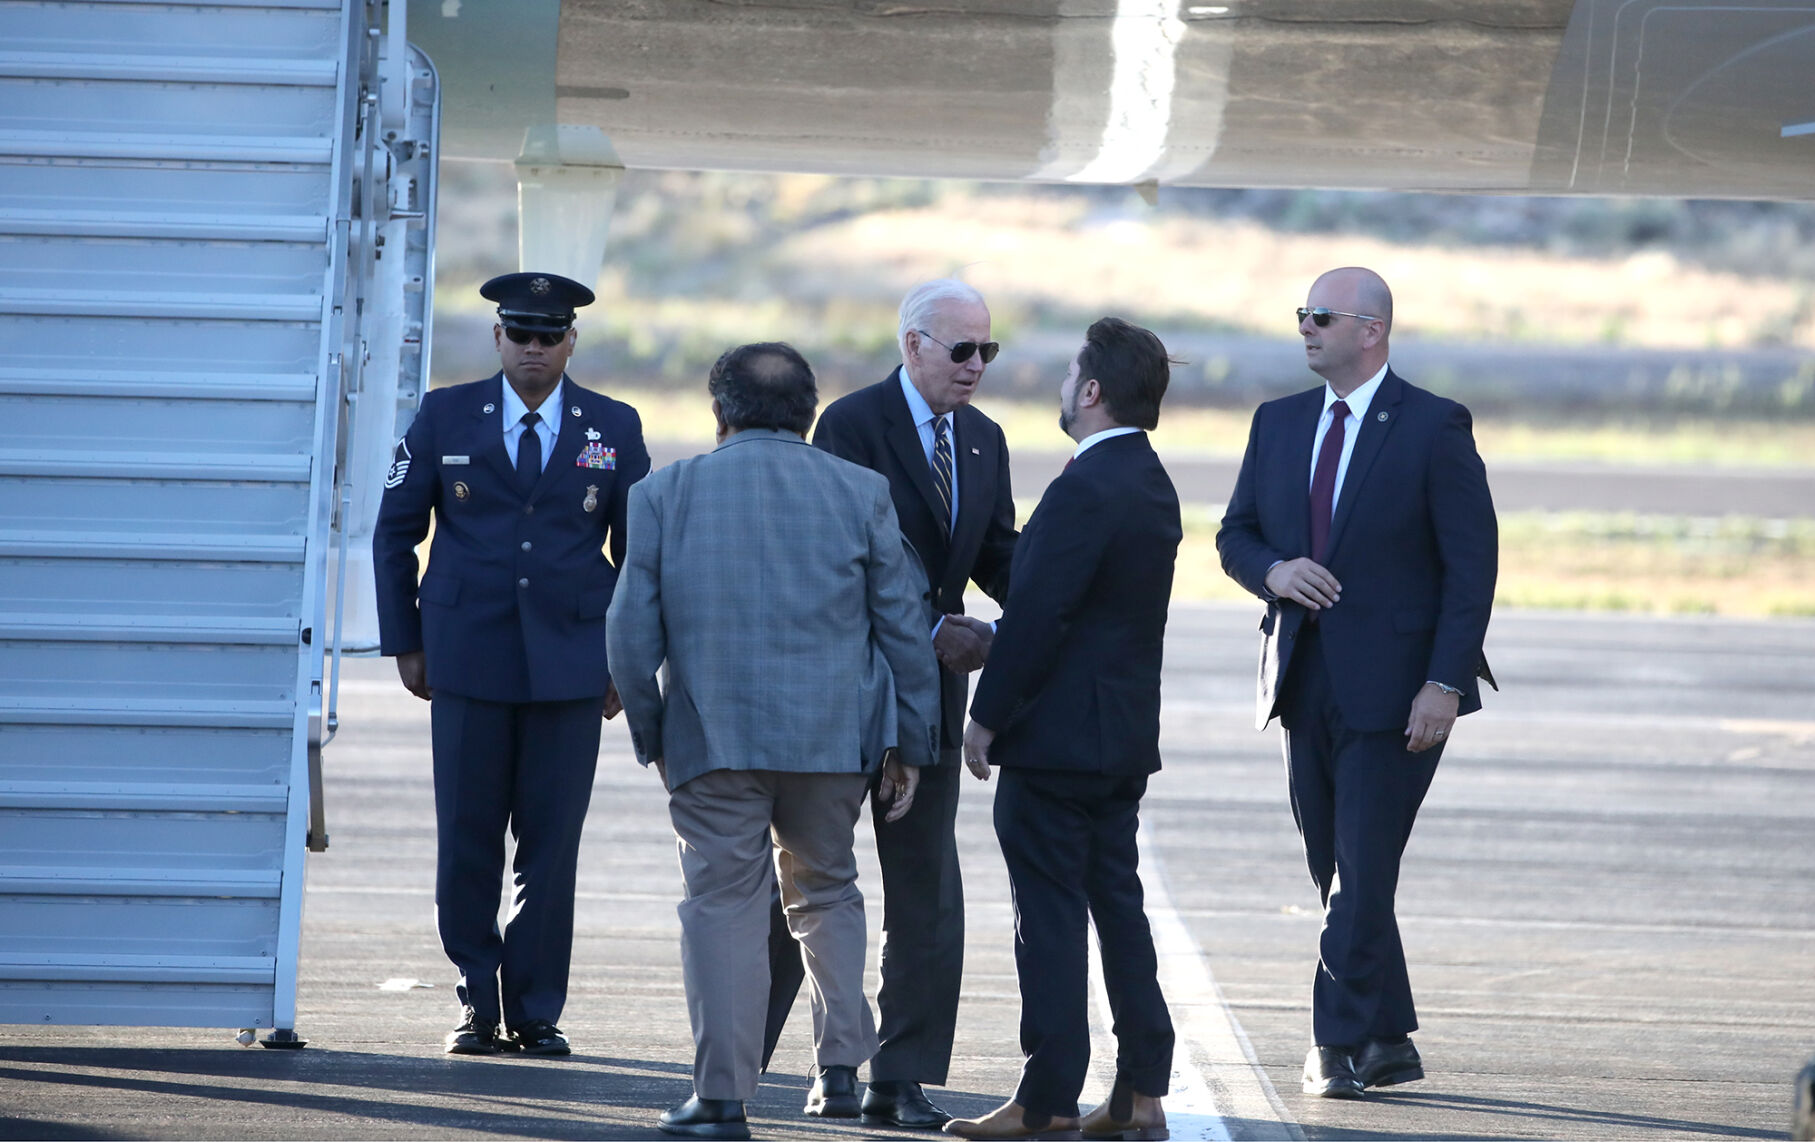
x=1323, y=482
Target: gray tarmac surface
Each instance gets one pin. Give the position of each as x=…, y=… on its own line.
x=1609, y=907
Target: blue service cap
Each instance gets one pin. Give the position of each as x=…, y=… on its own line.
x=536, y=302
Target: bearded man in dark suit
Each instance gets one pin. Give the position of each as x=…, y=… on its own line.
x=1068, y=710
x=1362, y=516
x=947, y=467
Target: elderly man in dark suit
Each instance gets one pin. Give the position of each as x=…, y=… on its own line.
x=525, y=474
x=1362, y=516
x=947, y=468
x=770, y=583
x=1068, y=709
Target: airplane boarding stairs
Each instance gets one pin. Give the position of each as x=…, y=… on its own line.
x=215, y=261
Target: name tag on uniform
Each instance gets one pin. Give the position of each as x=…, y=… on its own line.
x=456, y=459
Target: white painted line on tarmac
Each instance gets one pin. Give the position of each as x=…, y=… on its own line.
x=1219, y=1089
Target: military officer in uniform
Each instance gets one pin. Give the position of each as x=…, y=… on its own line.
x=525, y=474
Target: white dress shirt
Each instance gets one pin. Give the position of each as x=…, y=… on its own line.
x=1095, y=438
x=548, y=428
x=923, y=423
x=1358, y=402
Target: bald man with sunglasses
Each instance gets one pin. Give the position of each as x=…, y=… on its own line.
x=947, y=467
x=1363, y=518
x=525, y=475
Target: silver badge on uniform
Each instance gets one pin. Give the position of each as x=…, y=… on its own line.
x=489, y=408
x=1381, y=417
x=592, y=434
x=575, y=410
x=592, y=497
x=400, y=464
x=461, y=491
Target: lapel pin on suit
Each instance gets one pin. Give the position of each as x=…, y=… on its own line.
x=489, y=408
x=1381, y=418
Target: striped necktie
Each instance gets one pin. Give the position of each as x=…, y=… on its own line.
x=942, y=468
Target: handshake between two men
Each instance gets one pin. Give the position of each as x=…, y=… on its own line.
x=962, y=643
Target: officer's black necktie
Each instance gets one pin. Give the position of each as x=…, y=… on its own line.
x=942, y=468
x=529, y=454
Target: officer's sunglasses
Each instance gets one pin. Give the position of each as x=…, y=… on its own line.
x=524, y=337
x=1320, y=316
x=961, y=352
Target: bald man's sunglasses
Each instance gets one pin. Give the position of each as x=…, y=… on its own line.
x=961, y=352
x=1320, y=316
x=524, y=337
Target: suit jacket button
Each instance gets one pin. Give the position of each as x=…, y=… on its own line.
x=529, y=509
x=526, y=545
x=523, y=582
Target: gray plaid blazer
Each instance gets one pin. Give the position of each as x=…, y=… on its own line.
x=772, y=580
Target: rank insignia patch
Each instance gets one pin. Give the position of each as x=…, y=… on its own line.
x=596, y=455
x=400, y=465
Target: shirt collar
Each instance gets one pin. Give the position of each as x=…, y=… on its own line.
x=514, y=408
x=1098, y=437
x=1359, y=400
x=917, y=406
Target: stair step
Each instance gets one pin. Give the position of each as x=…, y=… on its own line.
x=239, y=466
x=27, y=627
x=158, y=385
x=167, y=147
x=208, y=546
x=133, y=66
x=248, y=715
x=161, y=303
x=164, y=224
x=226, y=883
x=139, y=969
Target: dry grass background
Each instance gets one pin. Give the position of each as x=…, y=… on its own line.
x=1041, y=252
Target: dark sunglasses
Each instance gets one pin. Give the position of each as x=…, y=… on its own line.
x=524, y=337
x=1320, y=316
x=961, y=352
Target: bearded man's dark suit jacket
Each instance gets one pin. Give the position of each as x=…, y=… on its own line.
x=923, y=893
x=511, y=617
x=1072, y=689
x=1414, y=544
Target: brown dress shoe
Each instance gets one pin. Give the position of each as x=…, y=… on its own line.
x=1012, y=1120
x=1128, y=1114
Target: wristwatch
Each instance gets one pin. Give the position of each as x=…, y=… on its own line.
x=1455, y=691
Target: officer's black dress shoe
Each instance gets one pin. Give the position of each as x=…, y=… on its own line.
x=706, y=1118
x=1330, y=1073
x=833, y=1093
x=1388, y=1064
x=539, y=1037
x=903, y=1104
x=474, y=1036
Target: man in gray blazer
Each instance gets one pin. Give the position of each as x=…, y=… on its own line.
x=768, y=576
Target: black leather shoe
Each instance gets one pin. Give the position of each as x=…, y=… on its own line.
x=706, y=1118
x=833, y=1093
x=1330, y=1073
x=1388, y=1064
x=474, y=1036
x=902, y=1104
x=539, y=1037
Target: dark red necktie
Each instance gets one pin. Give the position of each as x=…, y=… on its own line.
x=1323, y=482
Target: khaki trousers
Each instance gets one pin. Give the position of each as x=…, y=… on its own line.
x=735, y=827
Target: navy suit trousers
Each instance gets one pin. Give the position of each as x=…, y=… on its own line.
x=1069, y=842
x=526, y=767
x=1354, y=796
